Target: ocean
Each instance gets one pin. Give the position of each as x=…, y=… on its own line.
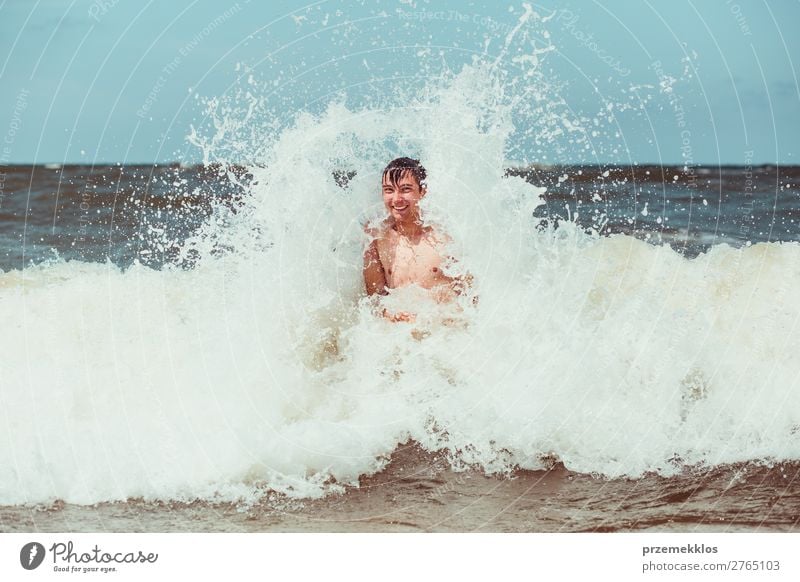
x=187, y=346
x=632, y=368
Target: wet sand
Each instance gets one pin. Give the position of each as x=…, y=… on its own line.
x=419, y=492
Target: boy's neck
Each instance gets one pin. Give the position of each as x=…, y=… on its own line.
x=411, y=229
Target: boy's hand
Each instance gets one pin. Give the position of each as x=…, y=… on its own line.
x=399, y=316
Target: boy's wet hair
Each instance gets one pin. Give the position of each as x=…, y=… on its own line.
x=398, y=167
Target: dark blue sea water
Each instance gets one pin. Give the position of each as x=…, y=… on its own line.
x=143, y=213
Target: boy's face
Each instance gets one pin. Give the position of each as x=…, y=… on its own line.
x=402, y=198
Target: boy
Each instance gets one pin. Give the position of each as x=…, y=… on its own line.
x=404, y=251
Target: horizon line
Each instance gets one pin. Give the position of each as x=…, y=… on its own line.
x=509, y=165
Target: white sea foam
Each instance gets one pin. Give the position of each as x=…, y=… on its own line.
x=263, y=367
x=615, y=355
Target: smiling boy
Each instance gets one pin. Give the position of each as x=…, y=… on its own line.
x=404, y=251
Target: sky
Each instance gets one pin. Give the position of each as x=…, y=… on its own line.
x=107, y=81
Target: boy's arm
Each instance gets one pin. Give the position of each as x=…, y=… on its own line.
x=375, y=282
x=374, y=277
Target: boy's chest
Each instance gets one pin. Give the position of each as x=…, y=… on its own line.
x=405, y=263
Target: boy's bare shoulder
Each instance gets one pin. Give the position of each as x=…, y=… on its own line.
x=439, y=237
x=378, y=230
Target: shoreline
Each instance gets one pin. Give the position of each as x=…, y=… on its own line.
x=417, y=492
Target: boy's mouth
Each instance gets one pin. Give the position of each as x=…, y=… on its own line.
x=400, y=208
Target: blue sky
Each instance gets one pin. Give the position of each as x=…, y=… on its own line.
x=122, y=80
